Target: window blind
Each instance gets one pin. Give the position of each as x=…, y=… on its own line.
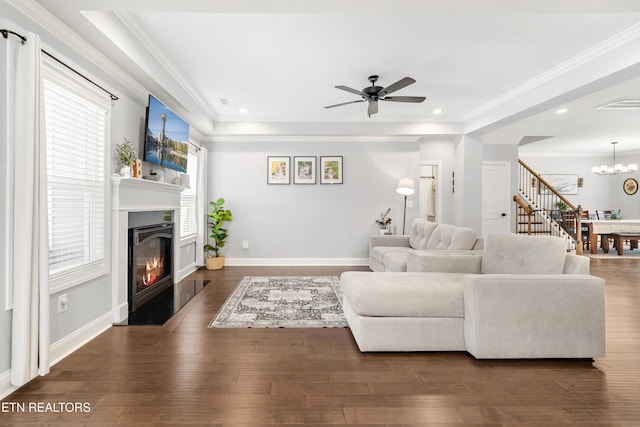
x=188, y=200
x=76, y=131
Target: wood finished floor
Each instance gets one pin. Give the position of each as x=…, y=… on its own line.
x=186, y=374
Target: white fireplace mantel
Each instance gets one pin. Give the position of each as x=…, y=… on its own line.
x=136, y=195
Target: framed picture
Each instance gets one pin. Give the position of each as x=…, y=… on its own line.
x=562, y=183
x=304, y=170
x=630, y=186
x=331, y=170
x=278, y=170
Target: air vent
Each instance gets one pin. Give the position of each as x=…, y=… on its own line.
x=621, y=104
x=224, y=101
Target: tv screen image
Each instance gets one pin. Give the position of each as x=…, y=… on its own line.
x=167, y=135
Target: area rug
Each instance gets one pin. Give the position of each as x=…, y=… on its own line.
x=613, y=254
x=283, y=302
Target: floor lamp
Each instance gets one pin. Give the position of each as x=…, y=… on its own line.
x=406, y=187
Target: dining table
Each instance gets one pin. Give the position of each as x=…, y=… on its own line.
x=616, y=228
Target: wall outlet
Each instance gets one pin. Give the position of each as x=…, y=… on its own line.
x=409, y=203
x=245, y=244
x=63, y=303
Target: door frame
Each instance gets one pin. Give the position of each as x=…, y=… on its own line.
x=508, y=190
x=438, y=165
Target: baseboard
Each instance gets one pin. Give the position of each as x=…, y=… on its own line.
x=296, y=261
x=6, y=388
x=122, y=313
x=185, y=272
x=67, y=345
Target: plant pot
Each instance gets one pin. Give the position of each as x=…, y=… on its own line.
x=215, y=262
x=125, y=172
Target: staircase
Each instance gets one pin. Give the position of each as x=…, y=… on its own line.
x=541, y=210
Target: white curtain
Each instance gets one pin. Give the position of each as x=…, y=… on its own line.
x=30, y=265
x=202, y=205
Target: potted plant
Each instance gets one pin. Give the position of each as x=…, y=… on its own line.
x=562, y=206
x=127, y=155
x=384, y=221
x=217, y=216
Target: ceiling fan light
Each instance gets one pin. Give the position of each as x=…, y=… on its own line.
x=595, y=169
x=617, y=166
x=624, y=169
x=633, y=167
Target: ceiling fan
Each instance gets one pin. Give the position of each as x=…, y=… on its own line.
x=372, y=94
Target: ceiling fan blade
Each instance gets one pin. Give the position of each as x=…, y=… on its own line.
x=344, y=103
x=348, y=89
x=415, y=99
x=373, y=108
x=396, y=86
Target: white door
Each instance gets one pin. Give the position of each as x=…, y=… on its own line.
x=496, y=197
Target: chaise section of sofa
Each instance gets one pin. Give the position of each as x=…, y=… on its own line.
x=390, y=253
x=522, y=297
x=404, y=311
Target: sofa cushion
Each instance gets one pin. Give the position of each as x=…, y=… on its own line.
x=379, y=252
x=404, y=294
x=507, y=253
x=451, y=237
x=421, y=230
x=395, y=261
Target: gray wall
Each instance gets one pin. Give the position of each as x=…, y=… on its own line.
x=282, y=222
x=88, y=301
x=5, y=315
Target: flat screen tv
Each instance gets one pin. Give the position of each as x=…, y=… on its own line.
x=166, y=137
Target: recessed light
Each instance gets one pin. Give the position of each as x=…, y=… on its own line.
x=437, y=111
x=561, y=110
x=243, y=111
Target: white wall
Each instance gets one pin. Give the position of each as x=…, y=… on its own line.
x=598, y=192
x=290, y=224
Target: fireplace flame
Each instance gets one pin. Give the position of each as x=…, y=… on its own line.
x=153, y=269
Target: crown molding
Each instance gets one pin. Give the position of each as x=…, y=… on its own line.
x=42, y=17
x=164, y=62
x=622, y=38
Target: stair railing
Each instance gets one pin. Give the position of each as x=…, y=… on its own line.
x=550, y=207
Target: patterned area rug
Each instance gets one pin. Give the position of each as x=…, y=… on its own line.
x=283, y=302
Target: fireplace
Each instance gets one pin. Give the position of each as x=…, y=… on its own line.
x=150, y=262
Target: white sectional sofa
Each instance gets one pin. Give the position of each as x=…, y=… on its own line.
x=524, y=297
x=390, y=253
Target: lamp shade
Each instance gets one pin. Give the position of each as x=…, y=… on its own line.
x=406, y=187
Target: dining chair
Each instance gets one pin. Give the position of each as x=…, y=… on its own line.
x=605, y=239
x=585, y=229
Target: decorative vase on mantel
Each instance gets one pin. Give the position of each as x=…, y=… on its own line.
x=125, y=172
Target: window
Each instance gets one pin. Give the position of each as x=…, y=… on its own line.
x=188, y=200
x=76, y=131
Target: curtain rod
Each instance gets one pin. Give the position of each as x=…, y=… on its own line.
x=5, y=34
x=113, y=97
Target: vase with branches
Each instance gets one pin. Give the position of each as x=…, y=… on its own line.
x=384, y=221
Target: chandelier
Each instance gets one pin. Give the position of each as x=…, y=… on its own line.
x=617, y=168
